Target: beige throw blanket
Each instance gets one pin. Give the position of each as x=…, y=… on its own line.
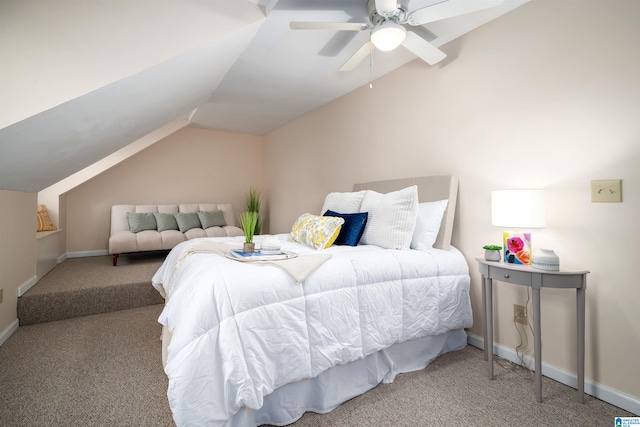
x=298, y=268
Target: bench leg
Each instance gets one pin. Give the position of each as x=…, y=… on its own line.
x=115, y=259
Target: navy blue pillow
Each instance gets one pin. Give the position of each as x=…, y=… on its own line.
x=352, y=229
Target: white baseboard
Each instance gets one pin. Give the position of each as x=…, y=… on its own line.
x=22, y=289
x=62, y=258
x=6, y=333
x=82, y=254
x=602, y=392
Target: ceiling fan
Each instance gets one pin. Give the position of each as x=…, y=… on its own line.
x=390, y=22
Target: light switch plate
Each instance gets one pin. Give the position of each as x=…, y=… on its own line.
x=607, y=191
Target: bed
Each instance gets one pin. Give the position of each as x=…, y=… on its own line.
x=247, y=344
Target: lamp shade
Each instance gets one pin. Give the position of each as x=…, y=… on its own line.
x=518, y=208
x=388, y=35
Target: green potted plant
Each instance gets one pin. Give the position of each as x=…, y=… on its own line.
x=254, y=200
x=492, y=252
x=248, y=221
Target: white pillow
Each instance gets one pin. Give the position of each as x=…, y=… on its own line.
x=344, y=203
x=392, y=218
x=428, y=224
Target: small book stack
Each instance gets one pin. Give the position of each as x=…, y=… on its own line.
x=259, y=256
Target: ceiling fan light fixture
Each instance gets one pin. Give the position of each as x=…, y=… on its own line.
x=388, y=35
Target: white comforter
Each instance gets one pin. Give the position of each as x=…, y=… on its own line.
x=241, y=330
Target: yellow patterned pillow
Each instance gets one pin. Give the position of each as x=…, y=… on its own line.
x=319, y=232
x=43, y=222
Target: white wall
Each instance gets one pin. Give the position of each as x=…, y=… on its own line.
x=546, y=96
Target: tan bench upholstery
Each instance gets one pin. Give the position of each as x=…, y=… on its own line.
x=122, y=240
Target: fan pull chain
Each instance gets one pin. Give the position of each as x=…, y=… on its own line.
x=370, y=63
x=370, y=70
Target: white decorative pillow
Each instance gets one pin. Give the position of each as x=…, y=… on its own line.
x=319, y=232
x=428, y=224
x=392, y=218
x=345, y=203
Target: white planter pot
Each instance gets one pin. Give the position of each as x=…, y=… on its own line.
x=491, y=255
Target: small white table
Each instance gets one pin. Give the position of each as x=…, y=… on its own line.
x=536, y=279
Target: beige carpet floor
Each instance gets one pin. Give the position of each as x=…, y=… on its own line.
x=84, y=286
x=105, y=370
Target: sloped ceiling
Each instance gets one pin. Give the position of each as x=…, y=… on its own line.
x=83, y=79
x=131, y=67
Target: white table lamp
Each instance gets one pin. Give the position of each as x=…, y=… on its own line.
x=517, y=209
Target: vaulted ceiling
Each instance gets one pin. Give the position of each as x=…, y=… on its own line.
x=80, y=80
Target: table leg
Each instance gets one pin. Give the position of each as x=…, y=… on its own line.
x=488, y=344
x=580, y=302
x=484, y=317
x=537, y=342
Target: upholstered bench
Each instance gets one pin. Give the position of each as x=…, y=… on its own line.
x=139, y=228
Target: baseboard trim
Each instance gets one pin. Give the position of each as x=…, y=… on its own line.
x=83, y=254
x=597, y=390
x=22, y=289
x=6, y=333
x=61, y=258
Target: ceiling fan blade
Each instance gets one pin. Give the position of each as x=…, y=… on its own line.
x=448, y=9
x=386, y=7
x=337, y=26
x=423, y=49
x=357, y=57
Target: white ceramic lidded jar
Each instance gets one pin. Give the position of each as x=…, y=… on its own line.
x=545, y=259
x=270, y=246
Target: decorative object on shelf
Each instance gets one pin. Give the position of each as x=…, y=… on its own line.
x=254, y=201
x=271, y=246
x=492, y=252
x=546, y=259
x=43, y=222
x=248, y=222
x=517, y=209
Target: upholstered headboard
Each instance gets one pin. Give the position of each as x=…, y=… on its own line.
x=430, y=189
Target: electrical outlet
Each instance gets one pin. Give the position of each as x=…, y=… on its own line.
x=520, y=314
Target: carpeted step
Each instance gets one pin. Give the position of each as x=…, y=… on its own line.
x=83, y=286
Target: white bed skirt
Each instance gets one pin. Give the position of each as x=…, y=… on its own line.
x=341, y=383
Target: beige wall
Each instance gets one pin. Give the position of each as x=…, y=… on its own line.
x=17, y=249
x=547, y=96
x=192, y=165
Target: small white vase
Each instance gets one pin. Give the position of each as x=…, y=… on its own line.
x=491, y=255
x=545, y=259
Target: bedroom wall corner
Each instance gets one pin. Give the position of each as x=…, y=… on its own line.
x=17, y=252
